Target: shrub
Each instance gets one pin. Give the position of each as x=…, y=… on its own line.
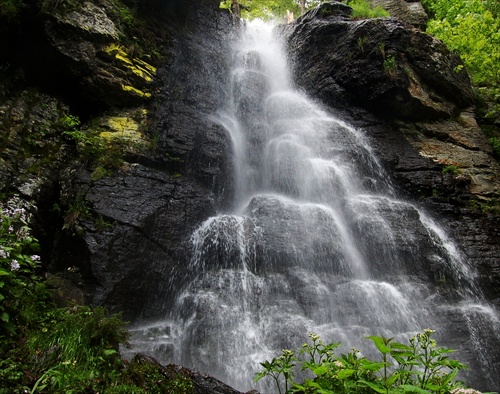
x=419, y=367
x=495, y=144
x=17, y=267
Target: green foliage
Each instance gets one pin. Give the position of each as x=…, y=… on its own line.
x=451, y=169
x=495, y=144
x=390, y=66
x=277, y=9
x=277, y=368
x=17, y=267
x=362, y=41
x=76, y=346
x=472, y=28
x=44, y=349
x=362, y=9
x=419, y=367
x=269, y=9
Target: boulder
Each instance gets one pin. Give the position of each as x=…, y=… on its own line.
x=392, y=69
x=408, y=11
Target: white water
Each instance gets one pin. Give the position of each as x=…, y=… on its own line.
x=316, y=241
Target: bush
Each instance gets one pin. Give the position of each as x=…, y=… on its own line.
x=453, y=21
x=419, y=367
x=17, y=268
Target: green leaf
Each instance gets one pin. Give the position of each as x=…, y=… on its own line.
x=373, y=386
x=408, y=388
x=345, y=373
x=320, y=370
x=372, y=366
x=381, y=344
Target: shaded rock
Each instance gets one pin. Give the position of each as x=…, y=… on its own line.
x=200, y=383
x=32, y=147
x=65, y=291
x=381, y=64
x=88, y=44
x=130, y=234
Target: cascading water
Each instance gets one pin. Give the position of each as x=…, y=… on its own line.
x=316, y=242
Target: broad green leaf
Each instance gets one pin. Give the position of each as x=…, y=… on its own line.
x=408, y=388
x=320, y=370
x=372, y=366
x=345, y=373
x=381, y=344
x=373, y=386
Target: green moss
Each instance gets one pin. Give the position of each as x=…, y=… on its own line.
x=136, y=91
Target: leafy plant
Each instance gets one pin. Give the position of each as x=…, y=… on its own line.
x=453, y=21
x=362, y=42
x=419, y=367
x=18, y=264
x=280, y=369
x=390, y=66
x=75, y=346
x=495, y=144
x=451, y=169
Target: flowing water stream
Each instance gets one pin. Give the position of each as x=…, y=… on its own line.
x=316, y=241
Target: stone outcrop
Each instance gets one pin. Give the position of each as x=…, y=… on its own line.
x=381, y=64
x=408, y=11
x=200, y=383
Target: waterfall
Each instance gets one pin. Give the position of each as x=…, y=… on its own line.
x=316, y=241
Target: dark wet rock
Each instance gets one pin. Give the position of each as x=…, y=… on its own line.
x=381, y=64
x=200, y=383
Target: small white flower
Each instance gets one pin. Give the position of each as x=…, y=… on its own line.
x=4, y=254
x=338, y=364
x=14, y=265
x=35, y=257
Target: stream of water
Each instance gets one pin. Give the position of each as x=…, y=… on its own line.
x=316, y=242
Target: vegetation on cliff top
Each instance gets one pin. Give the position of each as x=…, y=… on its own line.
x=279, y=9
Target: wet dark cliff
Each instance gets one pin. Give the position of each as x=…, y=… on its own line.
x=107, y=135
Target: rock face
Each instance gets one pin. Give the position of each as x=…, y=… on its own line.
x=150, y=169
x=405, y=88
